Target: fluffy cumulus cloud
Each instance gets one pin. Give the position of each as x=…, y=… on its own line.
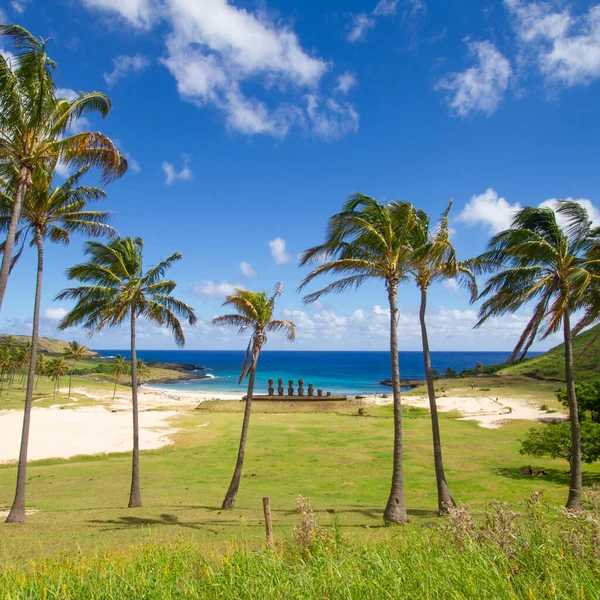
x=278, y=251
x=488, y=210
x=125, y=65
x=565, y=47
x=495, y=213
x=172, y=174
x=215, y=50
x=480, y=88
x=345, y=82
x=139, y=13
x=54, y=313
x=247, y=270
x=215, y=290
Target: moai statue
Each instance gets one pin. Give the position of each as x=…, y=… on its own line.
x=280, y=387
x=311, y=389
x=478, y=369
x=328, y=394
x=271, y=389
x=300, y=387
x=291, y=387
x=319, y=392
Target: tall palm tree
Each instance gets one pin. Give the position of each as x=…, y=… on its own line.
x=550, y=265
x=118, y=291
x=74, y=352
x=35, y=127
x=369, y=240
x=118, y=366
x=48, y=214
x=254, y=313
x=143, y=370
x=56, y=369
x=433, y=260
x=40, y=368
x=6, y=363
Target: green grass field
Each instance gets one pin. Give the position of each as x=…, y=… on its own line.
x=340, y=461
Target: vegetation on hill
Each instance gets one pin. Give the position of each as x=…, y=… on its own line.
x=551, y=365
x=45, y=345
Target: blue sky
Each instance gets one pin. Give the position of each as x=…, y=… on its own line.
x=248, y=123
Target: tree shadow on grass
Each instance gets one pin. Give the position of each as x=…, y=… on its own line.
x=558, y=476
x=130, y=522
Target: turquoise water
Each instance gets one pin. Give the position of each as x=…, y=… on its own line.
x=338, y=372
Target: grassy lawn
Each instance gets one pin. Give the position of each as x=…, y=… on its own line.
x=340, y=461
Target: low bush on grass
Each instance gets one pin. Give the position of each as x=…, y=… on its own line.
x=529, y=551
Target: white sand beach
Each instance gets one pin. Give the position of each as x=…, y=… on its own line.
x=65, y=432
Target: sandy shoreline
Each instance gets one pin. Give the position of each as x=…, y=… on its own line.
x=64, y=432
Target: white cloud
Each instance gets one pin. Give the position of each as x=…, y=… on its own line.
x=3, y=17
x=19, y=6
x=55, y=314
x=66, y=93
x=489, y=210
x=452, y=286
x=359, y=26
x=172, y=175
x=63, y=169
x=565, y=47
x=140, y=13
x=215, y=290
x=496, y=213
x=123, y=66
x=247, y=270
x=386, y=8
x=345, y=82
x=329, y=119
x=214, y=50
x=478, y=89
x=278, y=252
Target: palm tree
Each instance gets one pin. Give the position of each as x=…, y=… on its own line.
x=56, y=369
x=6, y=363
x=143, y=370
x=74, y=352
x=254, y=313
x=434, y=259
x=40, y=368
x=53, y=214
x=120, y=290
x=117, y=367
x=545, y=263
x=368, y=240
x=34, y=127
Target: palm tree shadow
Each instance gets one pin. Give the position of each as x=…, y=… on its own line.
x=557, y=476
x=165, y=519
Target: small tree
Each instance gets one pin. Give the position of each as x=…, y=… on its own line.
x=74, y=353
x=450, y=373
x=554, y=440
x=117, y=367
x=588, y=399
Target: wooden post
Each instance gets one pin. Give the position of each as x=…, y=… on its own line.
x=268, y=523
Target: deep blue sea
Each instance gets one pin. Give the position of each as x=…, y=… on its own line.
x=337, y=372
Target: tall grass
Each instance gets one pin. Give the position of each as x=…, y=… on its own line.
x=530, y=551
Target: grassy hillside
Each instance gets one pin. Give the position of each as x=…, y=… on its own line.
x=551, y=364
x=45, y=345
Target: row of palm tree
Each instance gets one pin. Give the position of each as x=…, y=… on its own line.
x=537, y=260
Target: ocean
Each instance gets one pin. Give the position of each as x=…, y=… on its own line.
x=350, y=373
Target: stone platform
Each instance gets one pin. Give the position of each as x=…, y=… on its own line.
x=299, y=398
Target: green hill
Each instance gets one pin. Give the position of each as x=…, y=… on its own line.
x=551, y=365
x=45, y=345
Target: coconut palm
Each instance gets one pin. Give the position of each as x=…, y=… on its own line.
x=118, y=366
x=433, y=260
x=366, y=241
x=118, y=291
x=48, y=214
x=6, y=363
x=74, y=352
x=254, y=312
x=56, y=369
x=143, y=370
x=35, y=127
x=40, y=368
x=551, y=266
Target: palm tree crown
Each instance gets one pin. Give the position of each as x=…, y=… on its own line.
x=120, y=288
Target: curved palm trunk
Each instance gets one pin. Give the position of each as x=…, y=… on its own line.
x=135, y=496
x=445, y=499
x=70, y=378
x=24, y=179
x=17, y=512
x=231, y=495
x=395, y=511
x=576, y=483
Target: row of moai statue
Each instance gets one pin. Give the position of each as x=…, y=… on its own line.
x=290, y=390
